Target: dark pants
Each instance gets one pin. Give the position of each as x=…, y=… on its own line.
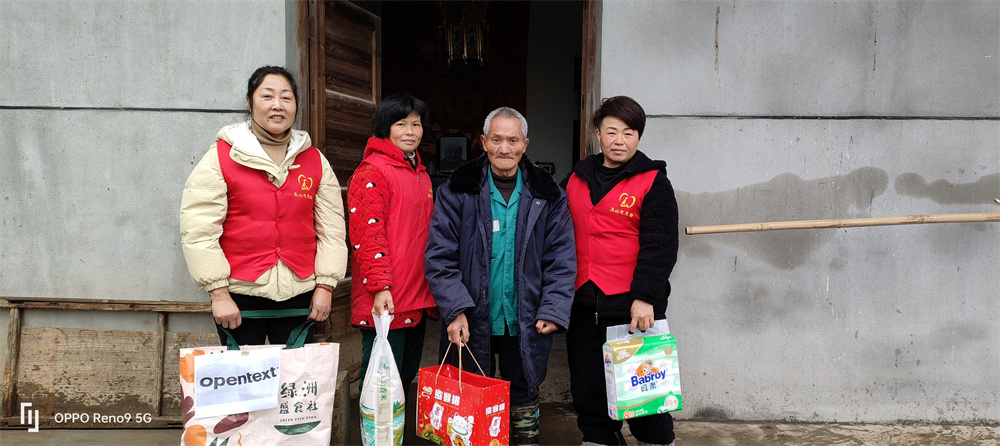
x=407, y=346
x=508, y=351
x=584, y=342
x=276, y=330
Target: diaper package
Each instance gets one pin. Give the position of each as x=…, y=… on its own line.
x=642, y=376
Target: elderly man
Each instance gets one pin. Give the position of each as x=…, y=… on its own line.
x=501, y=264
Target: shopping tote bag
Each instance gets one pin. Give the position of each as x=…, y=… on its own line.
x=459, y=408
x=305, y=378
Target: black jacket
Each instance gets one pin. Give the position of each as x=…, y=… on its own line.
x=658, y=241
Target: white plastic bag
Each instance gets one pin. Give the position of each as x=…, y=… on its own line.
x=383, y=399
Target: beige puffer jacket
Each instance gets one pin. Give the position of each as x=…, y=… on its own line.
x=204, y=205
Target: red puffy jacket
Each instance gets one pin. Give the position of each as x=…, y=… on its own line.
x=390, y=205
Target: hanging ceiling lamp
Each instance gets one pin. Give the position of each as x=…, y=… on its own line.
x=464, y=29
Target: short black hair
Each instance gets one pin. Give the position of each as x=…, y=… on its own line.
x=393, y=108
x=624, y=108
x=258, y=76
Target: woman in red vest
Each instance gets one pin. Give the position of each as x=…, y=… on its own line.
x=390, y=199
x=262, y=220
x=625, y=221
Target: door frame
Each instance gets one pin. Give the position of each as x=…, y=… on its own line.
x=590, y=95
x=310, y=44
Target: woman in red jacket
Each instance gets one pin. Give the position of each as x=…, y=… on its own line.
x=390, y=199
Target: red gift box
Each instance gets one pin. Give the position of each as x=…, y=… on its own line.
x=459, y=408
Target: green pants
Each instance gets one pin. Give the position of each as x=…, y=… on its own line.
x=407, y=346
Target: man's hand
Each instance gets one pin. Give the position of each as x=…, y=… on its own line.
x=642, y=316
x=383, y=303
x=458, y=330
x=224, y=309
x=321, y=303
x=545, y=327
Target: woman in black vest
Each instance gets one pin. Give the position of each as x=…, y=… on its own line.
x=618, y=198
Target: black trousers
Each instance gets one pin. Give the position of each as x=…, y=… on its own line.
x=508, y=349
x=584, y=341
x=277, y=330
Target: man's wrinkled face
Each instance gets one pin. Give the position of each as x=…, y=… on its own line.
x=504, y=145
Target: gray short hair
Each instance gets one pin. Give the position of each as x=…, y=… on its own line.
x=506, y=112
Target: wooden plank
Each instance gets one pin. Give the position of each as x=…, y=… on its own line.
x=347, y=50
x=161, y=338
x=354, y=50
x=352, y=127
x=354, y=37
x=348, y=85
x=351, y=35
x=845, y=223
x=358, y=111
x=113, y=368
x=305, y=32
x=65, y=370
x=10, y=363
x=105, y=305
x=317, y=66
x=589, y=70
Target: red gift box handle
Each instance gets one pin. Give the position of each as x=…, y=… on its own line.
x=443, y=358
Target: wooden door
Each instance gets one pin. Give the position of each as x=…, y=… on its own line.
x=344, y=71
x=342, y=64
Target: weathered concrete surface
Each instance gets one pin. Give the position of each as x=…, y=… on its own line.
x=852, y=325
x=793, y=58
x=869, y=325
x=115, y=101
x=119, y=53
x=89, y=218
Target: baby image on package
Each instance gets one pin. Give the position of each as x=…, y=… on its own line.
x=642, y=376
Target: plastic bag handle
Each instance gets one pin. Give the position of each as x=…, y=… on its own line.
x=445, y=357
x=296, y=339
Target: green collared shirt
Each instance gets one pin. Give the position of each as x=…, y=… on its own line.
x=503, y=294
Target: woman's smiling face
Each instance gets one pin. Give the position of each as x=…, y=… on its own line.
x=273, y=104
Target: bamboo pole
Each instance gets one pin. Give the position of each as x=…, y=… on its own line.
x=845, y=223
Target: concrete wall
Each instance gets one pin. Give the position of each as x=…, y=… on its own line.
x=789, y=110
x=107, y=107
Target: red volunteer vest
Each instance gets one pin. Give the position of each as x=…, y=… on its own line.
x=265, y=222
x=607, y=234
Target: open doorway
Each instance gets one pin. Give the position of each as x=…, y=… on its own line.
x=528, y=58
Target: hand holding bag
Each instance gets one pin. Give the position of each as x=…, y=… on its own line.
x=460, y=408
x=642, y=371
x=383, y=399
